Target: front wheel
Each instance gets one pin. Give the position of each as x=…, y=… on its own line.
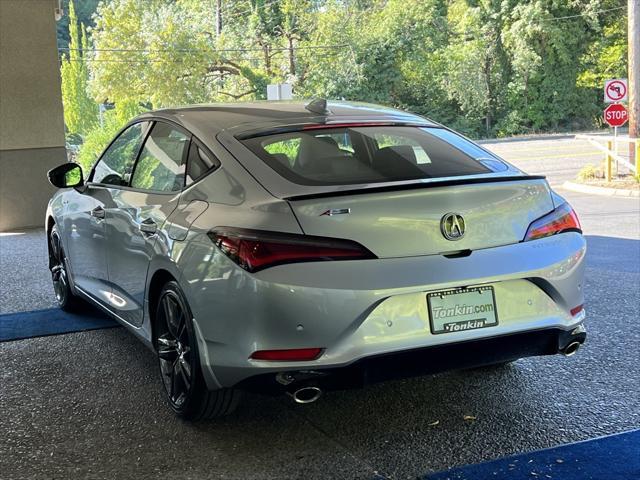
x=67, y=301
x=180, y=368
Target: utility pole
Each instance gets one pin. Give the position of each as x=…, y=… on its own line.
x=219, y=16
x=634, y=73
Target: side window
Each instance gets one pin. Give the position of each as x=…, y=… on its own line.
x=199, y=163
x=161, y=164
x=116, y=163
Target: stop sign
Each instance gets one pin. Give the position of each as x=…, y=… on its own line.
x=616, y=115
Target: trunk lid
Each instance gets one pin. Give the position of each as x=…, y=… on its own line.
x=402, y=223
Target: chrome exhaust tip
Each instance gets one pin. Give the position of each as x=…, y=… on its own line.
x=571, y=349
x=306, y=394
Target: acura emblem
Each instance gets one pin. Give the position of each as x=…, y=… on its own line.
x=452, y=226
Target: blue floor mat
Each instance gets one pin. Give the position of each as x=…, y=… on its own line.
x=616, y=457
x=53, y=321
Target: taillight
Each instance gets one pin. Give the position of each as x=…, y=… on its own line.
x=576, y=310
x=256, y=250
x=562, y=219
x=293, y=355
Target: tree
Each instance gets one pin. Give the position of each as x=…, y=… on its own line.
x=80, y=111
x=485, y=67
x=84, y=11
x=97, y=139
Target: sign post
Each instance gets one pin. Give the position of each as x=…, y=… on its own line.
x=633, y=34
x=615, y=115
x=616, y=90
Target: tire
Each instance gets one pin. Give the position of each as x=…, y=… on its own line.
x=179, y=362
x=67, y=301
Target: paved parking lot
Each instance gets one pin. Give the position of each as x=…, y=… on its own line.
x=89, y=405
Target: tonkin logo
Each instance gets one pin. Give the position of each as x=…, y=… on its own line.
x=452, y=226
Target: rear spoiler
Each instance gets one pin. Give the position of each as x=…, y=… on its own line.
x=445, y=182
x=298, y=127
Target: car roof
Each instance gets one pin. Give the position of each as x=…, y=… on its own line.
x=240, y=118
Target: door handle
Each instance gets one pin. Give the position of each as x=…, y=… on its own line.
x=148, y=227
x=97, y=212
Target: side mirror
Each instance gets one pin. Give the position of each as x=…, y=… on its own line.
x=66, y=175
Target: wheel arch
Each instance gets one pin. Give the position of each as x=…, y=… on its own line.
x=50, y=223
x=159, y=278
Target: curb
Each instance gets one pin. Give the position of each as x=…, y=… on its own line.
x=606, y=191
x=541, y=136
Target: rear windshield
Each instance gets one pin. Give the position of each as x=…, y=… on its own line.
x=343, y=156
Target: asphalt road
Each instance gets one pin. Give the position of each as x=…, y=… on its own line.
x=89, y=405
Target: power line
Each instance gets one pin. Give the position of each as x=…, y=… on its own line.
x=194, y=50
x=171, y=60
x=143, y=60
x=553, y=19
x=469, y=37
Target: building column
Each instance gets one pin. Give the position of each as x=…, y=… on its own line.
x=31, y=118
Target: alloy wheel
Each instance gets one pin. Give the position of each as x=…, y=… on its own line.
x=58, y=270
x=174, y=349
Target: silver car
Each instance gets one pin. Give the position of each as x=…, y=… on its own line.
x=292, y=247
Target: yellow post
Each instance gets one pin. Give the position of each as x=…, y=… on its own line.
x=609, y=161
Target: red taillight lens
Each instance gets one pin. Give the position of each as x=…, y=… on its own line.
x=576, y=310
x=294, y=355
x=562, y=219
x=256, y=250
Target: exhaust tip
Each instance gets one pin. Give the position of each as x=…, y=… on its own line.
x=306, y=395
x=571, y=349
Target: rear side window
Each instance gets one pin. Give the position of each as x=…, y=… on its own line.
x=116, y=163
x=161, y=166
x=339, y=156
x=200, y=162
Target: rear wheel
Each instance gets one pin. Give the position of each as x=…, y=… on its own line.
x=67, y=301
x=179, y=361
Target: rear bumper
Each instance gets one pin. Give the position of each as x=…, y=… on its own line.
x=421, y=361
x=358, y=310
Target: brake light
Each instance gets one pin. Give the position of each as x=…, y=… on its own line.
x=256, y=250
x=562, y=219
x=293, y=355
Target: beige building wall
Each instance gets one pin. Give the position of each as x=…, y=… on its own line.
x=31, y=119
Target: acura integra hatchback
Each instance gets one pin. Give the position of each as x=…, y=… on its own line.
x=292, y=247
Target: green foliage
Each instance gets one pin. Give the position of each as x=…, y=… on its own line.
x=80, y=111
x=485, y=67
x=73, y=176
x=97, y=139
x=84, y=10
x=588, y=172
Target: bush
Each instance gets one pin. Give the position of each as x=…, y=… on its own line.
x=588, y=172
x=512, y=124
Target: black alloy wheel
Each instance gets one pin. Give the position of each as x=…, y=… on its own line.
x=58, y=264
x=179, y=362
x=174, y=349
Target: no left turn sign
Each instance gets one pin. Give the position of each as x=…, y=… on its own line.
x=615, y=90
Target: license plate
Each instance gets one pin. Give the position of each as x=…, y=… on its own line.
x=462, y=309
